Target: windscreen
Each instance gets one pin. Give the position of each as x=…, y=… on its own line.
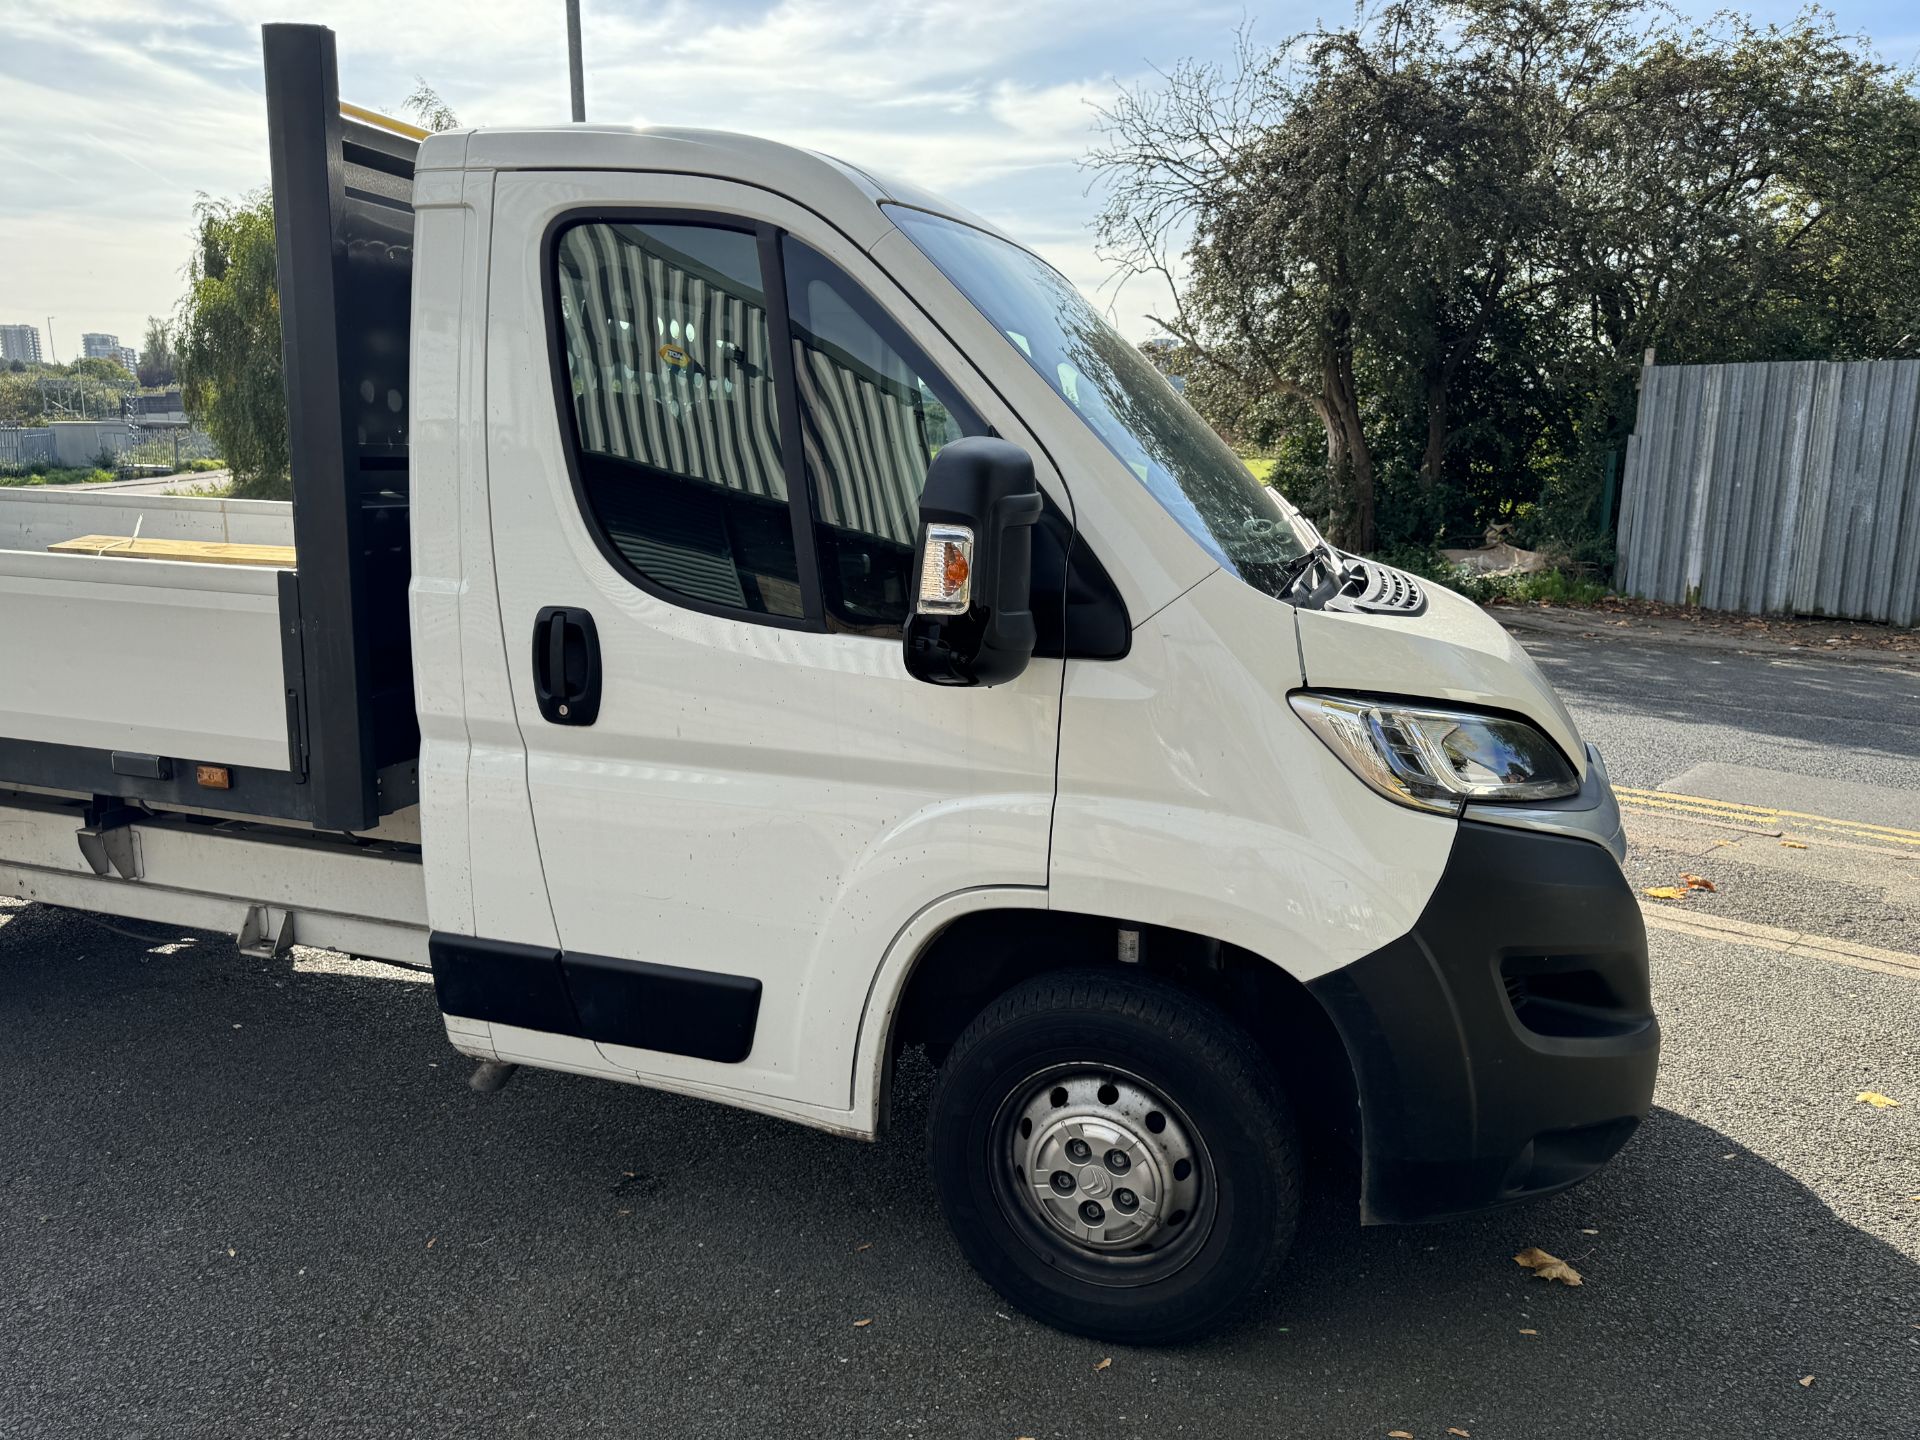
x=1121, y=397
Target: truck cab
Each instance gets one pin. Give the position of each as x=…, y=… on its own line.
x=749, y=616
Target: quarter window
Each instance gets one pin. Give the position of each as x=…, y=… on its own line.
x=873, y=414
x=675, y=409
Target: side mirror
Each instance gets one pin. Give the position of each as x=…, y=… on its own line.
x=972, y=621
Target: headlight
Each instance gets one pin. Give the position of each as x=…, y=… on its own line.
x=1435, y=759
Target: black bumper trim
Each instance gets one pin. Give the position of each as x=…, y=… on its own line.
x=1506, y=1047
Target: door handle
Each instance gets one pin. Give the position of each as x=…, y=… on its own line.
x=566, y=665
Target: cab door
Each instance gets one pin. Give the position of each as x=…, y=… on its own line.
x=709, y=416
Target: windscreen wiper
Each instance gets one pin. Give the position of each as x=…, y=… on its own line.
x=1295, y=569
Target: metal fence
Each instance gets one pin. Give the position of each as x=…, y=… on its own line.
x=83, y=443
x=170, y=444
x=1783, y=488
x=23, y=445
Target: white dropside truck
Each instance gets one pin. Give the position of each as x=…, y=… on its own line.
x=740, y=616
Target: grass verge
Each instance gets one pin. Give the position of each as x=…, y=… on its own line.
x=54, y=475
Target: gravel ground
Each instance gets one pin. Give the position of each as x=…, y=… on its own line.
x=251, y=1199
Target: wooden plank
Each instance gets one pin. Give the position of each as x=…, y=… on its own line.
x=205, y=552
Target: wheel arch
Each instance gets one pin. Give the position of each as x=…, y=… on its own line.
x=961, y=954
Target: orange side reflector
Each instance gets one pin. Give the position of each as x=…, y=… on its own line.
x=213, y=777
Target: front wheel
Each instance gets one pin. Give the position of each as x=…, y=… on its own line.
x=1115, y=1156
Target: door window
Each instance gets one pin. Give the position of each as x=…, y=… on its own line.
x=675, y=411
x=674, y=400
x=873, y=414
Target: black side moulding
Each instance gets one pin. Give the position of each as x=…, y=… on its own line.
x=669, y=1008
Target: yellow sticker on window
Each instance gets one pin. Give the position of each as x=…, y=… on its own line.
x=675, y=356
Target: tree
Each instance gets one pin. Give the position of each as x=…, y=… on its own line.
x=156, y=354
x=228, y=339
x=105, y=373
x=1448, y=232
x=225, y=339
x=20, y=402
x=426, y=107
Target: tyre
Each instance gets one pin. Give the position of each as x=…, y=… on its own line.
x=1115, y=1157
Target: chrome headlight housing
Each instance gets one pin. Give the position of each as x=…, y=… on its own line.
x=1437, y=759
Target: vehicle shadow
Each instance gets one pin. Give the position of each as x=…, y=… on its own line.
x=240, y=1196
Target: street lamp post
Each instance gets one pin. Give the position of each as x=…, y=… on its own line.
x=575, y=72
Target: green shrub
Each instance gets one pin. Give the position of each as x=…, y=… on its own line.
x=40, y=473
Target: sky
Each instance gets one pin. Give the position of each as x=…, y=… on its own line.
x=116, y=114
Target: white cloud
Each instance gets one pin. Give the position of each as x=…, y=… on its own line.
x=118, y=113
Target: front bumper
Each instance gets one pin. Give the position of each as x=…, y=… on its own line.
x=1505, y=1047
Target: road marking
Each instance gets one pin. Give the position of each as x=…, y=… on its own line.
x=1786, y=942
x=1759, y=817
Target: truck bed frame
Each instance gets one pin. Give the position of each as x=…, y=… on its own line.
x=343, y=216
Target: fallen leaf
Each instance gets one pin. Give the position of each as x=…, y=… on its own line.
x=1547, y=1267
x=1697, y=882
x=1104, y=1363
x=1589, y=1232
x=1667, y=892
x=1529, y=1332
x=865, y=1245
x=231, y=1252
x=1793, y=845
x=1399, y=1435
x=1877, y=1100
x=1806, y=1382
x=861, y=1324
x=430, y=1242
x=1456, y=1430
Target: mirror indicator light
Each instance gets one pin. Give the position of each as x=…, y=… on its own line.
x=946, y=570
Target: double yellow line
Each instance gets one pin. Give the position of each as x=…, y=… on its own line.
x=1760, y=817
x=1704, y=926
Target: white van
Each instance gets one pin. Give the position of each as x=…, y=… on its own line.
x=741, y=616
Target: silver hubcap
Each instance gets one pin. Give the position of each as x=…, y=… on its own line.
x=1104, y=1161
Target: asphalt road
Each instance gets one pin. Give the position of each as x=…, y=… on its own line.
x=248, y=1199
